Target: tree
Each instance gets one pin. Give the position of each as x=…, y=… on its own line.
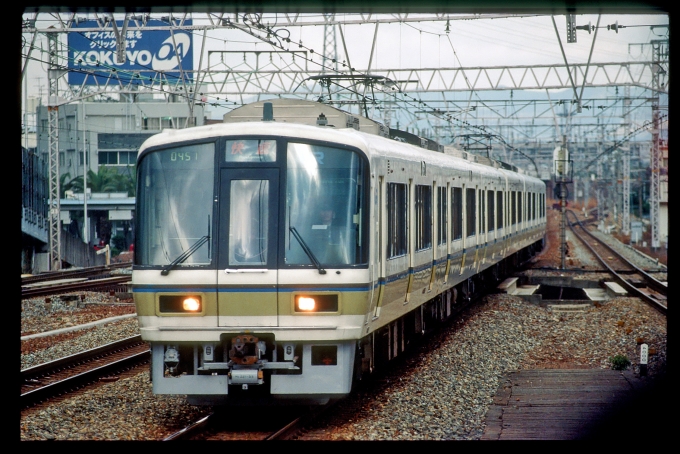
x=66, y=186
x=106, y=179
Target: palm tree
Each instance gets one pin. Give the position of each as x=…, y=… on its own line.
x=64, y=186
x=105, y=180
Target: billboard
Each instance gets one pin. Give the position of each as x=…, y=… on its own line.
x=92, y=54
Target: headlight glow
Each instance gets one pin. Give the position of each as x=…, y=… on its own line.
x=306, y=303
x=316, y=303
x=191, y=304
x=178, y=304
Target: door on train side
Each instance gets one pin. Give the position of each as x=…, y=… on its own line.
x=247, y=256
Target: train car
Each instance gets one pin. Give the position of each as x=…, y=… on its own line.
x=285, y=253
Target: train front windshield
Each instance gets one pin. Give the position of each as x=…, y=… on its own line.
x=319, y=214
x=175, y=206
x=324, y=206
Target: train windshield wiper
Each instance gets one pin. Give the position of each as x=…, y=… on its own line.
x=308, y=251
x=185, y=255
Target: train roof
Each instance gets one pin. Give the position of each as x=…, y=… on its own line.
x=313, y=113
x=323, y=122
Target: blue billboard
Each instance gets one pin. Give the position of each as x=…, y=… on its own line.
x=92, y=55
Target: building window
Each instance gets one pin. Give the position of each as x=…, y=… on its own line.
x=157, y=124
x=153, y=124
x=117, y=158
x=127, y=157
x=109, y=158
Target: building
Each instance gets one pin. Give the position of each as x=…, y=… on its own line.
x=102, y=137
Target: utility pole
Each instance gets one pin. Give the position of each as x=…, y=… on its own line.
x=625, y=209
x=600, y=196
x=53, y=123
x=562, y=170
x=330, y=48
x=659, y=50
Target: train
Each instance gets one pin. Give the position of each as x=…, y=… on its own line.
x=285, y=254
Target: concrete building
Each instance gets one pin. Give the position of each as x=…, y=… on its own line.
x=100, y=135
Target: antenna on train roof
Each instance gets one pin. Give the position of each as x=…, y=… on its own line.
x=268, y=112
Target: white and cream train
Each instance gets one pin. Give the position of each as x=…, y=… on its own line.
x=284, y=253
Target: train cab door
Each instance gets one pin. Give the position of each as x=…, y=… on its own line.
x=247, y=276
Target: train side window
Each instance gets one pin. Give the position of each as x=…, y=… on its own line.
x=499, y=209
x=457, y=212
x=482, y=217
x=513, y=207
x=489, y=211
x=396, y=219
x=423, y=217
x=542, y=205
x=519, y=208
x=470, y=212
x=441, y=209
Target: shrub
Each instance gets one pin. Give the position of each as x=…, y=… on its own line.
x=118, y=242
x=619, y=362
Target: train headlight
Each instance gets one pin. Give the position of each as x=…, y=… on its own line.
x=191, y=304
x=180, y=304
x=306, y=303
x=316, y=303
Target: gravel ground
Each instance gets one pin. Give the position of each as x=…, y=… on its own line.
x=442, y=393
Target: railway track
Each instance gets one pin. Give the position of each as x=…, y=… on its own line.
x=89, y=272
x=116, y=284
x=63, y=376
x=252, y=423
x=632, y=278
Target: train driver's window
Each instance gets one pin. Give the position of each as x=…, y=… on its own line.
x=324, y=204
x=175, y=206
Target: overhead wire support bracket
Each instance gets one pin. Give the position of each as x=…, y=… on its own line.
x=571, y=38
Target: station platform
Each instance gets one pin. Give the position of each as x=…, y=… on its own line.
x=579, y=404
